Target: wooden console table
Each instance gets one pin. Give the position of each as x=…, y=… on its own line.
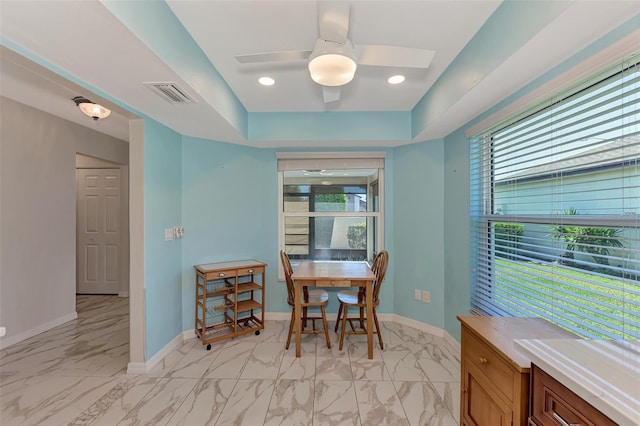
x=229, y=299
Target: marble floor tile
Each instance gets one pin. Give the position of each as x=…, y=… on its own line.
x=195, y=362
x=423, y=404
x=248, y=403
x=75, y=374
x=291, y=403
x=379, y=404
x=205, y=403
x=299, y=368
x=230, y=360
x=160, y=403
x=450, y=395
x=404, y=365
x=335, y=403
x=45, y=400
x=264, y=361
x=115, y=404
x=274, y=331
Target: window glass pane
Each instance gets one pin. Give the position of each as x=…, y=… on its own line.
x=328, y=190
x=331, y=214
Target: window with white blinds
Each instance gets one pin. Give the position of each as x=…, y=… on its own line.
x=555, y=206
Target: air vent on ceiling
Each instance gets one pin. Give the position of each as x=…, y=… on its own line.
x=170, y=92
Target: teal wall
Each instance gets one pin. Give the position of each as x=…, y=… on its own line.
x=229, y=212
x=162, y=209
x=457, y=228
x=330, y=126
x=418, y=249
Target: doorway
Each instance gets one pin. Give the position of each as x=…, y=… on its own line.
x=102, y=223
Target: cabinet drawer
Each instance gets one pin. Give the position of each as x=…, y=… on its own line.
x=489, y=363
x=216, y=275
x=249, y=271
x=553, y=404
x=333, y=283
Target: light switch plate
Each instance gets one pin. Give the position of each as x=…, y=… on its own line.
x=168, y=234
x=416, y=294
x=426, y=296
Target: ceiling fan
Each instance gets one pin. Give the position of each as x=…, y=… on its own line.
x=334, y=59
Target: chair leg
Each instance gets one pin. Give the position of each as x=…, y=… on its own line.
x=344, y=325
x=338, y=319
x=375, y=319
x=326, y=328
x=304, y=317
x=290, y=330
x=362, y=318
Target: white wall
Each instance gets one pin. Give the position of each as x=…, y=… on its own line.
x=38, y=215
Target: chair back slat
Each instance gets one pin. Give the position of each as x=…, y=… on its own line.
x=288, y=271
x=379, y=268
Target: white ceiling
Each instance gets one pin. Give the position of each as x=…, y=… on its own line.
x=90, y=46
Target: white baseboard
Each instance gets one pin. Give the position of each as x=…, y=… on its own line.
x=12, y=340
x=142, y=368
x=455, y=345
x=145, y=367
x=137, y=368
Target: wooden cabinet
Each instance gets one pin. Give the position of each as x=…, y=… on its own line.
x=552, y=404
x=229, y=299
x=494, y=385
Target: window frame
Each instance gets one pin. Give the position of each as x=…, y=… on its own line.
x=487, y=244
x=332, y=160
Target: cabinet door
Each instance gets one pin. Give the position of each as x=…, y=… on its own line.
x=480, y=403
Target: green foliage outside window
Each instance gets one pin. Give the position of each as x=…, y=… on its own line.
x=594, y=241
x=330, y=202
x=507, y=238
x=357, y=236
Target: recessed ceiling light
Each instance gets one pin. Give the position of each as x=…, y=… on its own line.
x=266, y=81
x=396, y=79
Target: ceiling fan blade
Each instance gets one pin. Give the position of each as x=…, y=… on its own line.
x=281, y=56
x=393, y=56
x=330, y=93
x=333, y=20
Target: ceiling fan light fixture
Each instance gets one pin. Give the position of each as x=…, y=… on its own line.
x=332, y=64
x=91, y=109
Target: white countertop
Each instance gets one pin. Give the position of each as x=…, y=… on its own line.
x=606, y=374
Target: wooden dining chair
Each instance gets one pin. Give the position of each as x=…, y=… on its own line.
x=357, y=299
x=310, y=299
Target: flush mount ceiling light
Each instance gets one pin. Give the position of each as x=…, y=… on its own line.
x=331, y=63
x=91, y=109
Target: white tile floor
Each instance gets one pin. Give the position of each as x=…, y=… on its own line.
x=76, y=374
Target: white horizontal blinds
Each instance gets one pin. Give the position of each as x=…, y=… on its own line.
x=556, y=208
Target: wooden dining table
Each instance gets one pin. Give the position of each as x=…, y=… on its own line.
x=333, y=274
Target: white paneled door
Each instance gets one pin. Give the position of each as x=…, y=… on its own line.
x=98, y=231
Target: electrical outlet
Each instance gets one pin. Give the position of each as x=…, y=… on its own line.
x=416, y=294
x=426, y=296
